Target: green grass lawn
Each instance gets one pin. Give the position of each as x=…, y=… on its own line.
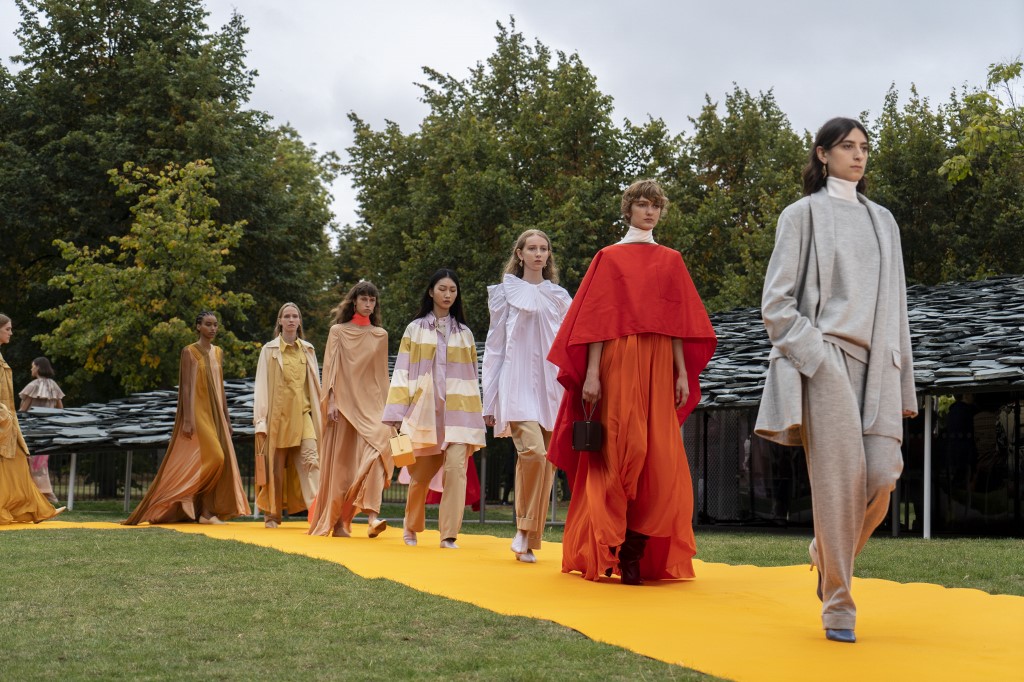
x=89, y=604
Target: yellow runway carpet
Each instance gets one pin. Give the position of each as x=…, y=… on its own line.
x=737, y=622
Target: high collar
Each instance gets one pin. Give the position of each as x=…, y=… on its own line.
x=360, y=320
x=634, y=235
x=841, y=189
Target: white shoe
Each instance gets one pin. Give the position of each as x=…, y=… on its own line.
x=520, y=543
x=408, y=536
x=448, y=544
x=527, y=557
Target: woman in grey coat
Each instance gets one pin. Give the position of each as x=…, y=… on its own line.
x=841, y=377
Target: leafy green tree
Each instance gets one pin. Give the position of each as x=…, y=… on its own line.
x=908, y=146
x=525, y=141
x=958, y=195
x=986, y=166
x=993, y=121
x=132, y=306
x=732, y=179
x=111, y=81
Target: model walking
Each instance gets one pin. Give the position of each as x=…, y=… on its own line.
x=198, y=479
x=355, y=458
x=841, y=376
x=287, y=425
x=521, y=389
x=20, y=499
x=634, y=343
x=435, y=399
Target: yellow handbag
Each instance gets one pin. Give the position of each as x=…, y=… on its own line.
x=401, y=450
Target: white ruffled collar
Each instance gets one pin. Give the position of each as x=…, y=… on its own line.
x=524, y=295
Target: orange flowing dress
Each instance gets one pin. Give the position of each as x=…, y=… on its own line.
x=199, y=475
x=635, y=298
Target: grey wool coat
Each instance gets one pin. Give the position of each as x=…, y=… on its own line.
x=797, y=287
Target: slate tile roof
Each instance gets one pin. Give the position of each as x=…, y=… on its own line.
x=967, y=337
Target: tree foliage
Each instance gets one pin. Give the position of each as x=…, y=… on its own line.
x=952, y=230
x=114, y=81
x=525, y=141
x=735, y=175
x=132, y=306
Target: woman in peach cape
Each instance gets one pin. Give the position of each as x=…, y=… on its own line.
x=355, y=456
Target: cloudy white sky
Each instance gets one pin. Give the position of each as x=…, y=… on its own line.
x=318, y=59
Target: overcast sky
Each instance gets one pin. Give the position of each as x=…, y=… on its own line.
x=318, y=59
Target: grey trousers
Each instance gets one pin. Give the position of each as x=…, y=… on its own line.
x=851, y=474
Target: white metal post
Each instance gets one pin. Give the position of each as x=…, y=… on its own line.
x=71, y=481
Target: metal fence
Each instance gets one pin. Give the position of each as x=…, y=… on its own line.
x=738, y=478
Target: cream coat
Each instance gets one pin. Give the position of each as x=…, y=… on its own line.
x=797, y=287
x=267, y=415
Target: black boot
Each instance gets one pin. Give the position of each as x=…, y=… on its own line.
x=630, y=553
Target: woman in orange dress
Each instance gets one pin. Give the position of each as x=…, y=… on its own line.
x=634, y=343
x=198, y=478
x=20, y=499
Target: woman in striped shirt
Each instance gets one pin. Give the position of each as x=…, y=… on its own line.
x=435, y=399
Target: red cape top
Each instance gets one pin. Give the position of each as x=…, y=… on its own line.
x=628, y=289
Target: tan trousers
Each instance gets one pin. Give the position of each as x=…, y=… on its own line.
x=851, y=474
x=534, y=475
x=453, y=499
x=307, y=465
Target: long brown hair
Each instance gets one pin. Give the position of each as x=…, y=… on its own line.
x=829, y=135
x=346, y=310
x=514, y=266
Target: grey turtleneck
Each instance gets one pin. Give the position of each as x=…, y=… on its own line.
x=848, y=317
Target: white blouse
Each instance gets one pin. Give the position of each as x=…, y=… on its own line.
x=519, y=383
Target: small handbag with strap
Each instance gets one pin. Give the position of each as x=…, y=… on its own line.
x=401, y=450
x=261, y=459
x=588, y=434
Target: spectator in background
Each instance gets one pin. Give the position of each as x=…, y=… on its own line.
x=42, y=391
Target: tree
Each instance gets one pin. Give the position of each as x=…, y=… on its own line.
x=907, y=147
x=525, y=141
x=988, y=162
x=132, y=306
x=993, y=122
x=112, y=81
x=733, y=178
